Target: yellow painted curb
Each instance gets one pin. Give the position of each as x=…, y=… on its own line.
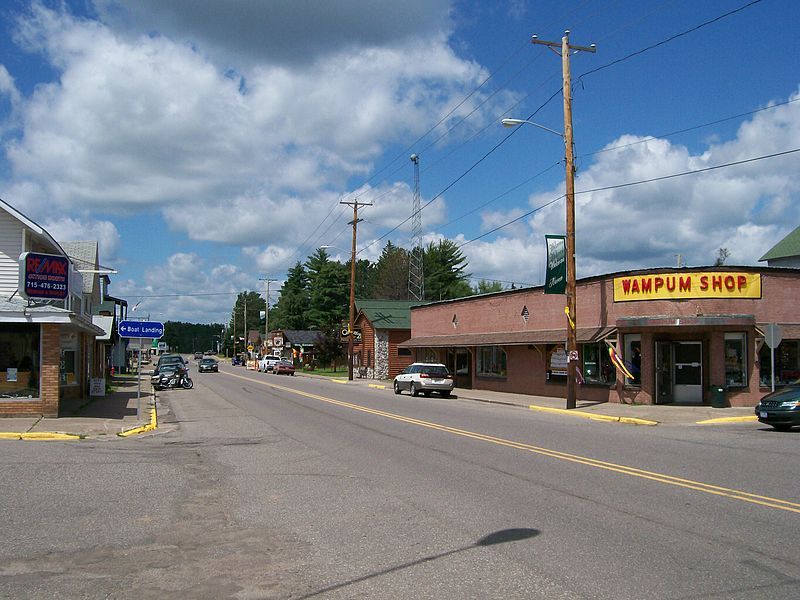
x=5, y=435
x=49, y=435
x=728, y=420
x=593, y=417
x=377, y=386
x=153, y=424
x=340, y=380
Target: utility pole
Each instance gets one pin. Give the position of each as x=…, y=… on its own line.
x=355, y=204
x=572, y=338
x=267, y=280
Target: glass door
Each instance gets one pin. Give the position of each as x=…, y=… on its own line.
x=664, y=371
x=463, y=371
x=688, y=372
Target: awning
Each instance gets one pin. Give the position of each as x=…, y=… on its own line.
x=106, y=324
x=789, y=331
x=510, y=338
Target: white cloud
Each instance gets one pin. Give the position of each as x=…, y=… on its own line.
x=137, y=122
x=104, y=232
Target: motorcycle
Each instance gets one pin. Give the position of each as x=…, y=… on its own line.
x=172, y=380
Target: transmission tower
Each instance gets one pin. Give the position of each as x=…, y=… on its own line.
x=416, y=284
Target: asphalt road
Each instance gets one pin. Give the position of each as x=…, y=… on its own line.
x=279, y=487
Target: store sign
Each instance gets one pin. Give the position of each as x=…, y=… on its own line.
x=43, y=276
x=556, y=279
x=682, y=286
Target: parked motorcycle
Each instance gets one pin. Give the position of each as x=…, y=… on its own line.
x=171, y=379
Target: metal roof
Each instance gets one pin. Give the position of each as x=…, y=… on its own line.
x=787, y=247
x=388, y=314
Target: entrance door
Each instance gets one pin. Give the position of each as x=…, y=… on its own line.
x=688, y=373
x=463, y=370
x=664, y=372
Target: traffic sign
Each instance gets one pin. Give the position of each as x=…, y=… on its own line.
x=141, y=329
x=773, y=335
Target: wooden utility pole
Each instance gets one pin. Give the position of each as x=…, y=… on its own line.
x=572, y=337
x=355, y=204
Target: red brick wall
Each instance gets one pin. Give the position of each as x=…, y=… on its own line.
x=47, y=403
x=595, y=309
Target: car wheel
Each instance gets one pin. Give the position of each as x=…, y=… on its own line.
x=781, y=426
x=426, y=394
x=445, y=394
x=413, y=390
x=396, y=387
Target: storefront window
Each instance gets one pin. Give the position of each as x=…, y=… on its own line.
x=632, y=355
x=597, y=365
x=735, y=361
x=491, y=361
x=556, y=364
x=430, y=356
x=19, y=361
x=67, y=369
x=787, y=363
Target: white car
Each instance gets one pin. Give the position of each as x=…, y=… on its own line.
x=267, y=363
x=424, y=378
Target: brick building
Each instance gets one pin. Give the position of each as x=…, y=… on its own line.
x=678, y=333
x=47, y=347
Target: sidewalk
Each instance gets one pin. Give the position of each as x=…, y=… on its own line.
x=639, y=414
x=92, y=418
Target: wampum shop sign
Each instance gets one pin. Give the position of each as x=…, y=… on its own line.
x=43, y=276
x=680, y=286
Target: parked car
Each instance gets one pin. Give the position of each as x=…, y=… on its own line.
x=424, y=378
x=267, y=362
x=208, y=365
x=781, y=408
x=198, y=355
x=170, y=359
x=236, y=361
x=283, y=367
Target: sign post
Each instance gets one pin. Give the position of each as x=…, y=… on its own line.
x=773, y=338
x=140, y=329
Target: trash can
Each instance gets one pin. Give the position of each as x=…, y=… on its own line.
x=718, y=399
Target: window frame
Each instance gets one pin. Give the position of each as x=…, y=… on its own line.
x=498, y=358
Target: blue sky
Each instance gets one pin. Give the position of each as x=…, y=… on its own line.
x=207, y=144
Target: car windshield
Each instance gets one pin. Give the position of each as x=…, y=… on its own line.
x=435, y=371
x=207, y=361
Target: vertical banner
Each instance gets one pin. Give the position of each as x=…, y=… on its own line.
x=556, y=279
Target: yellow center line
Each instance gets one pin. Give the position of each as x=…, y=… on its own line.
x=575, y=458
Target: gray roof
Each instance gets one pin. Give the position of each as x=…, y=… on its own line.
x=84, y=256
x=305, y=337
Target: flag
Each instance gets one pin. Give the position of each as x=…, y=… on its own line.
x=618, y=362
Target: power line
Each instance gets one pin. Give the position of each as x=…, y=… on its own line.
x=629, y=184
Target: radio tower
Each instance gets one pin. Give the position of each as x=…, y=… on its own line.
x=416, y=284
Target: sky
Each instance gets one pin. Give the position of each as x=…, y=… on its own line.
x=210, y=145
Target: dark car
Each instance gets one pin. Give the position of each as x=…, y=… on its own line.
x=283, y=367
x=236, y=361
x=208, y=365
x=781, y=408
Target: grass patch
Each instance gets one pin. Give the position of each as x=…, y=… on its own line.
x=339, y=372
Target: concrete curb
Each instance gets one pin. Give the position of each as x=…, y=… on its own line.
x=727, y=420
x=40, y=435
x=339, y=380
x=377, y=386
x=153, y=424
x=593, y=417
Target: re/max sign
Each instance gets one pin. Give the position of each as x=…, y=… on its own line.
x=43, y=276
x=677, y=286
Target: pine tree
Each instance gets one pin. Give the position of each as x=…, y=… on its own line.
x=444, y=268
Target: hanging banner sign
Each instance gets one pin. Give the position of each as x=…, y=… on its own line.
x=682, y=286
x=556, y=279
x=43, y=276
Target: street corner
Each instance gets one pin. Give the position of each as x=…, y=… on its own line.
x=151, y=426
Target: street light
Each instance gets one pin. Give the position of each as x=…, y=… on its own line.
x=572, y=341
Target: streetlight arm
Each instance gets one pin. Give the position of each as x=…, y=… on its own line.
x=516, y=122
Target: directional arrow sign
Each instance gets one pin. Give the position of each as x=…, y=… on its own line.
x=141, y=329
